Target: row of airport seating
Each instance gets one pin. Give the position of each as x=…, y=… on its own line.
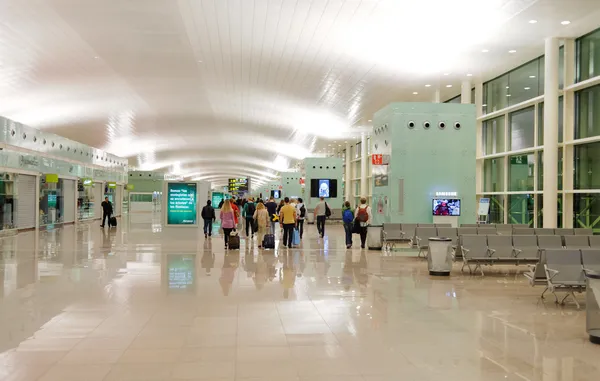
x=565, y=269
x=518, y=249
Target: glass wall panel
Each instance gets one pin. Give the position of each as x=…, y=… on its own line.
x=496, y=209
x=357, y=149
x=85, y=200
x=541, y=169
x=456, y=99
x=51, y=202
x=588, y=56
x=495, y=94
x=587, y=166
x=540, y=208
x=493, y=174
x=520, y=209
x=493, y=136
x=521, y=129
x=8, y=204
x=541, y=122
x=586, y=211
x=587, y=104
x=520, y=173
x=525, y=83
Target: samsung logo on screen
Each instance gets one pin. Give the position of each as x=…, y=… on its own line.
x=445, y=194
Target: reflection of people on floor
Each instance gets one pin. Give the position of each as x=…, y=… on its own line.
x=106, y=244
x=249, y=264
x=271, y=261
x=355, y=270
x=231, y=262
x=261, y=275
x=299, y=263
x=207, y=261
x=287, y=275
x=322, y=264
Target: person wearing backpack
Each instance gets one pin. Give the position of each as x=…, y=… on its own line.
x=364, y=216
x=249, y=209
x=301, y=213
x=348, y=218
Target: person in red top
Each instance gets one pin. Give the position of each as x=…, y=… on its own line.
x=236, y=212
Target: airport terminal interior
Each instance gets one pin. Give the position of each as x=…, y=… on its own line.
x=422, y=177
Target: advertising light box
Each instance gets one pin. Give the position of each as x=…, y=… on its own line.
x=181, y=204
x=181, y=272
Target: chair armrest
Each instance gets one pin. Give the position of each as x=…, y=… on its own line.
x=490, y=252
x=550, y=273
x=591, y=272
x=517, y=252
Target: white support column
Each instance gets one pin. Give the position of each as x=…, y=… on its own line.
x=568, y=132
x=364, y=189
x=348, y=182
x=437, y=96
x=465, y=92
x=551, y=133
x=479, y=138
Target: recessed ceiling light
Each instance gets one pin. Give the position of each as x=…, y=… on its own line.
x=415, y=93
x=533, y=21
x=508, y=95
x=508, y=87
x=469, y=75
x=527, y=88
x=566, y=22
x=532, y=76
x=485, y=51
x=329, y=145
x=512, y=51
x=448, y=85
x=369, y=120
x=96, y=57
x=446, y=73
x=427, y=85
x=199, y=61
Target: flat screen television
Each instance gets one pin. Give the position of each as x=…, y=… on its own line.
x=276, y=194
x=446, y=207
x=326, y=188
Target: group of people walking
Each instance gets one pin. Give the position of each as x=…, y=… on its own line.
x=261, y=217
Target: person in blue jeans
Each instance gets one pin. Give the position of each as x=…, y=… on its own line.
x=208, y=215
x=348, y=218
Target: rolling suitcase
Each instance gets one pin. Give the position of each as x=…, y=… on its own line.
x=269, y=241
x=112, y=221
x=234, y=241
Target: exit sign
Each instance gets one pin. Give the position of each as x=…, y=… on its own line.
x=521, y=159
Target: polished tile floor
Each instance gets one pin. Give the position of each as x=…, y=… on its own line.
x=145, y=302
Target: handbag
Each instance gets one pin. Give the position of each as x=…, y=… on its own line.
x=296, y=238
x=356, y=228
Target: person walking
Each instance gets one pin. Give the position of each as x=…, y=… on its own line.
x=208, y=215
x=348, y=219
x=364, y=216
x=236, y=212
x=107, y=211
x=301, y=213
x=261, y=216
x=320, y=216
x=249, y=209
x=271, y=206
x=287, y=217
x=228, y=223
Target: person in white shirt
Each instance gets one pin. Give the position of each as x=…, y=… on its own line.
x=364, y=216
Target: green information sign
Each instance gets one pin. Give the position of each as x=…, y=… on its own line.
x=216, y=199
x=181, y=204
x=182, y=272
x=520, y=159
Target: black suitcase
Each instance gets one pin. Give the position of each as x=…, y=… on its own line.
x=112, y=222
x=234, y=242
x=269, y=241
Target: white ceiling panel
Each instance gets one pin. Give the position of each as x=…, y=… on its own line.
x=245, y=87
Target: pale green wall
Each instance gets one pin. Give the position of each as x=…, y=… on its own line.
x=324, y=168
x=429, y=160
x=146, y=181
x=291, y=184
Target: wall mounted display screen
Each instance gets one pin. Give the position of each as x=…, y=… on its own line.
x=326, y=188
x=181, y=272
x=446, y=207
x=181, y=204
x=276, y=194
x=216, y=199
x=237, y=186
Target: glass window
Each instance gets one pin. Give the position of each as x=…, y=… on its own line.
x=357, y=149
x=520, y=173
x=587, y=102
x=85, y=200
x=493, y=136
x=494, y=94
x=51, y=202
x=561, y=69
x=541, y=122
x=493, y=174
x=586, y=211
x=588, y=56
x=525, y=82
x=520, y=209
x=496, y=209
x=540, y=206
x=456, y=99
x=541, y=169
x=473, y=96
x=587, y=166
x=8, y=203
x=521, y=129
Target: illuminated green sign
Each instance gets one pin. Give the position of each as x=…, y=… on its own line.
x=181, y=204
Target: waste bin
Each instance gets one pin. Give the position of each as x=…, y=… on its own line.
x=310, y=218
x=439, y=256
x=592, y=310
x=375, y=237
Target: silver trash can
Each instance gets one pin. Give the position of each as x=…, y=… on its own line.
x=375, y=237
x=592, y=310
x=439, y=256
x=310, y=218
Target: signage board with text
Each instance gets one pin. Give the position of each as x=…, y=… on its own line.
x=237, y=186
x=181, y=204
